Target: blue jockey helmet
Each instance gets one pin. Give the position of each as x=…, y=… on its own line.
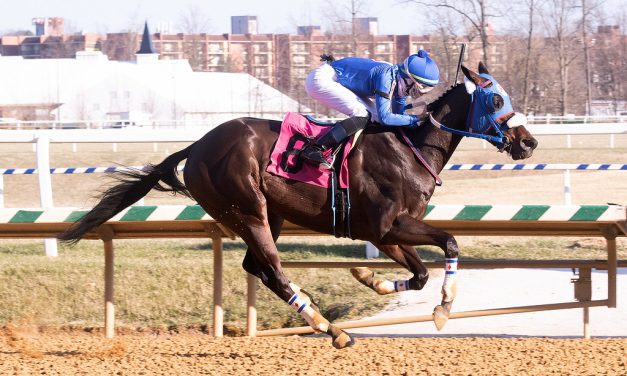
x=419, y=67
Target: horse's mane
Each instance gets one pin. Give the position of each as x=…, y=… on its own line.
x=435, y=103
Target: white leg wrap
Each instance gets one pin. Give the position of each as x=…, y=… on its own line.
x=401, y=285
x=388, y=287
x=302, y=306
x=450, y=278
x=295, y=287
x=384, y=286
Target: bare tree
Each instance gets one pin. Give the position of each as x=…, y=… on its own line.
x=476, y=13
x=531, y=6
x=562, y=33
x=446, y=45
x=121, y=46
x=194, y=23
x=343, y=15
x=608, y=56
x=587, y=7
x=193, y=20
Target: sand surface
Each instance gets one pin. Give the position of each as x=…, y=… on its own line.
x=29, y=353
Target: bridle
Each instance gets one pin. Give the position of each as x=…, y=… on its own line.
x=481, y=119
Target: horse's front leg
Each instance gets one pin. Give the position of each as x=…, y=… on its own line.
x=404, y=255
x=408, y=230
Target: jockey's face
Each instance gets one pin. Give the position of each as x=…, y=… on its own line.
x=416, y=89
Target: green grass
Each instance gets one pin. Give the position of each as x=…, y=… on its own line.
x=164, y=283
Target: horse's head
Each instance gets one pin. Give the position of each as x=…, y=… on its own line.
x=492, y=115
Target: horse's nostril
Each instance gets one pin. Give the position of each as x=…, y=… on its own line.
x=530, y=143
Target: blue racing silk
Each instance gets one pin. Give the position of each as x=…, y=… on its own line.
x=368, y=78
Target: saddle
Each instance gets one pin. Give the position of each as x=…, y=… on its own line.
x=297, y=131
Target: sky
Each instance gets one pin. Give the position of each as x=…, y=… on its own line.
x=274, y=16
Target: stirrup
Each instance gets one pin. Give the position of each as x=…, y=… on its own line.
x=312, y=154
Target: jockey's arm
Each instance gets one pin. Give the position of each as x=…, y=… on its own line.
x=388, y=117
x=399, y=105
x=391, y=108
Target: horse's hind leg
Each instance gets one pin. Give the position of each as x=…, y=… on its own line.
x=404, y=255
x=264, y=252
x=251, y=266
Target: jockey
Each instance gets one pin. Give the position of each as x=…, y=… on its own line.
x=364, y=90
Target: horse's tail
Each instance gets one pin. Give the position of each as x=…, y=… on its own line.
x=133, y=185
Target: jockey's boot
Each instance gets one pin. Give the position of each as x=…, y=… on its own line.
x=313, y=153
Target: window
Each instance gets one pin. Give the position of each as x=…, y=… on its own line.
x=260, y=47
x=383, y=48
x=299, y=47
x=215, y=60
x=261, y=72
x=215, y=48
x=299, y=59
x=260, y=59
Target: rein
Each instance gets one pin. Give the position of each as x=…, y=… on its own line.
x=414, y=149
x=501, y=141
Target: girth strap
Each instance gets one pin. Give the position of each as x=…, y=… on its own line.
x=340, y=201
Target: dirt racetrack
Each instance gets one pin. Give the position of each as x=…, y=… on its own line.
x=28, y=352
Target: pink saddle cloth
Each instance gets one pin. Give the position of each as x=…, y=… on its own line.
x=291, y=139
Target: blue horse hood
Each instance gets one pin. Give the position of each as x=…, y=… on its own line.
x=483, y=115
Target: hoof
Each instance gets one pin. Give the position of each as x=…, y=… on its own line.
x=440, y=317
x=343, y=340
x=363, y=275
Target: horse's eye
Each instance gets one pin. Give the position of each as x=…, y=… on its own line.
x=497, y=102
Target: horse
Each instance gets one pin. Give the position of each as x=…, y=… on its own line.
x=225, y=173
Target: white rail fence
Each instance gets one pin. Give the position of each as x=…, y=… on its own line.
x=188, y=123
x=180, y=221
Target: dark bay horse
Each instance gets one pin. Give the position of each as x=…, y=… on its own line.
x=226, y=174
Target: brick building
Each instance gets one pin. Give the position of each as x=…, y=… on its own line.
x=283, y=60
x=50, y=46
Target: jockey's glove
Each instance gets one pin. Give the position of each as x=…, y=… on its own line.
x=416, y=121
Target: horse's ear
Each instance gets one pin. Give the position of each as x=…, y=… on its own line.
x=483, y=69
x=472, y=76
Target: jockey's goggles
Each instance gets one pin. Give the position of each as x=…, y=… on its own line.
x=415, y=88
x=422, y=88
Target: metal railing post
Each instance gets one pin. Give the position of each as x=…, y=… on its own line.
x=568, y=199
x=1, y=191
x=45, y=187
x=218, y=311
x=251, y=316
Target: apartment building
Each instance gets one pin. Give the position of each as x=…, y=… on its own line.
x=50, y=46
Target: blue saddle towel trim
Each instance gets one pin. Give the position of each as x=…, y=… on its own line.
x=319, y=122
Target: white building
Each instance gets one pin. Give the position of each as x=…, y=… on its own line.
x=90, y=87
